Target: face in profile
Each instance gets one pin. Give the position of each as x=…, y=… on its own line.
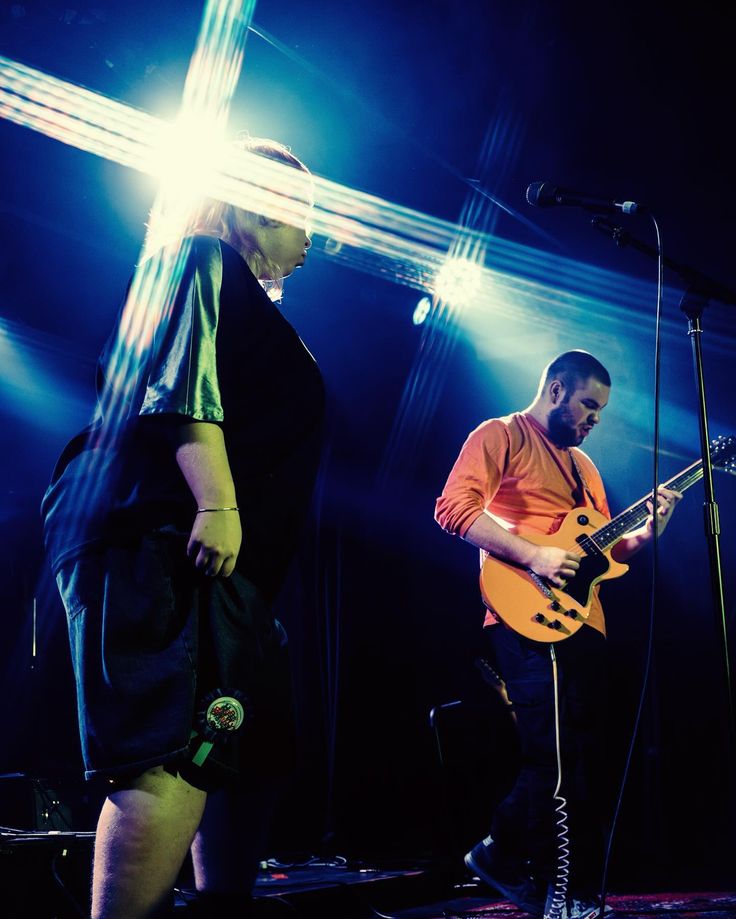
x=283, y=244
x=287, y=246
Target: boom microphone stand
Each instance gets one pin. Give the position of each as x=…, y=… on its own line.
x=699, y=290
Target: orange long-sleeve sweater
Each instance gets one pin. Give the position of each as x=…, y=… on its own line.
x=509, y=467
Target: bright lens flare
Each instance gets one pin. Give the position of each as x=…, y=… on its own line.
x=186, y=155
x=362, y=231
x=367, y=232
x=186, y=160
x=459, y=281
x=189, y=154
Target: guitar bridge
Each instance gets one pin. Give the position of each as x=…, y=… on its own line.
x=554, y=605
x=541, y=584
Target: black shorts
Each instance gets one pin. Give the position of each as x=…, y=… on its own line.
x=176, y=668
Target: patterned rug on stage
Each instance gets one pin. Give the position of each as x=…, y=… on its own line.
x=675, y=905
x=360, y=892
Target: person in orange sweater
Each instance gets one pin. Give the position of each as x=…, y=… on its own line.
x=517, y=476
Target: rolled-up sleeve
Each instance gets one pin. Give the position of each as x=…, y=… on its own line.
x=182, y=375
x=474, y=479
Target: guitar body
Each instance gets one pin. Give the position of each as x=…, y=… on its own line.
x=530, y=605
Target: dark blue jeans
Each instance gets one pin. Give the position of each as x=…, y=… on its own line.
x=525, y=823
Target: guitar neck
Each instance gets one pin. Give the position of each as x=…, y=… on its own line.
x=607, y=536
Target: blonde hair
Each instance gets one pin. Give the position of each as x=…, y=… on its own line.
x=237, y=226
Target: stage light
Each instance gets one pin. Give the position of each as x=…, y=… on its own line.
x=421, y=310
x=362, y=231
x=459, y=281
x=27, y=379
x=187, y=155
x=185, y=159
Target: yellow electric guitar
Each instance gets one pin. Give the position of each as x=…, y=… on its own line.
x=533, y=607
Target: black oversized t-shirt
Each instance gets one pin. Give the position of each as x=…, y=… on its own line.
x=223, y=354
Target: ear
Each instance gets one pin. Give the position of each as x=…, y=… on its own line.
x=556, y=391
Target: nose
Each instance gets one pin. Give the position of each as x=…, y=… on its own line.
x=307, y=241
x=594, y=417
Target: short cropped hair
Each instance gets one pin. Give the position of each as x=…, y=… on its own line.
x=573, y=368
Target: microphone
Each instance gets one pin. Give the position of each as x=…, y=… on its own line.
x=545, y=194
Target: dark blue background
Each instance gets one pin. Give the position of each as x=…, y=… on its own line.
x=628, y=100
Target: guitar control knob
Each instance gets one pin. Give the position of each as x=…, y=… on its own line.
x=554, y=605
x=583, y=520
x=555, y=624
x=538, y=617
x=571, y=613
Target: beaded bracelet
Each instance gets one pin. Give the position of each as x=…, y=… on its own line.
x=209, y=510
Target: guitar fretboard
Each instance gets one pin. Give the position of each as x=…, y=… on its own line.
x=608, y=535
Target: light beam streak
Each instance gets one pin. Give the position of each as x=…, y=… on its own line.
x=377, y=116
x=26, y=382
x=362, y=230
x=75, y=116
x=414, y=244
x=210, y=83
x=211, y=80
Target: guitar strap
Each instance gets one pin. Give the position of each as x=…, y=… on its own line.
x=579, y=475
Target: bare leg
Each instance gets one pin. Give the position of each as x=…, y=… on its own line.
x=142, y=837
x=231, y=840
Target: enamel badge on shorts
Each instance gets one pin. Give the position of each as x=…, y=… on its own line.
x=223, y=713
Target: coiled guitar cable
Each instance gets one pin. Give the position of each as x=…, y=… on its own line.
x=559, y=895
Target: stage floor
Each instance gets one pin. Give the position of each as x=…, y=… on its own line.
x=46, y=876
x=349, y=892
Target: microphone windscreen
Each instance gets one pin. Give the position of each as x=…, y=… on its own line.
x=540, y=194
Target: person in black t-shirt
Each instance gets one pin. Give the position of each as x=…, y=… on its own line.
x=169, y=524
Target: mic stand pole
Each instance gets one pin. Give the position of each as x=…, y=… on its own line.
x=699, y=290
x=692, y=304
